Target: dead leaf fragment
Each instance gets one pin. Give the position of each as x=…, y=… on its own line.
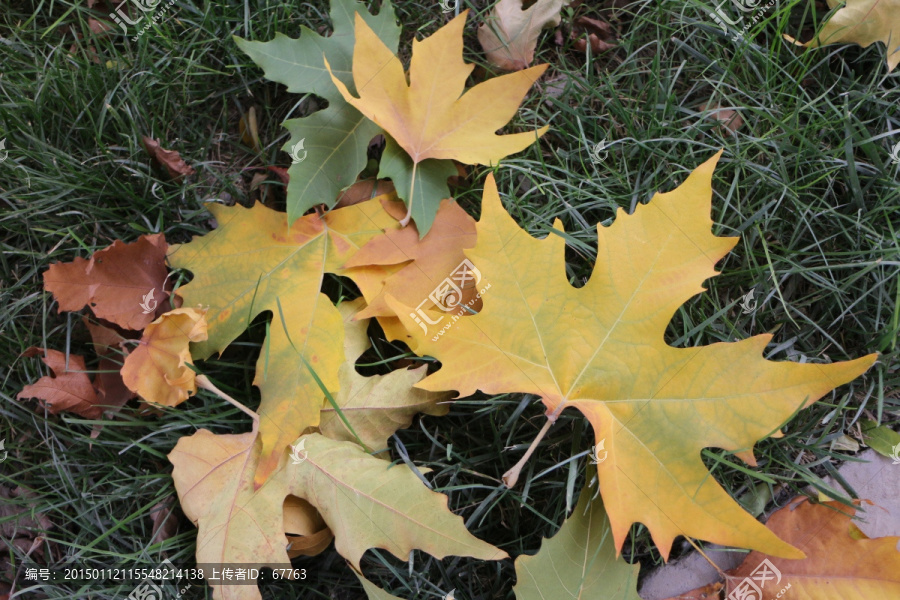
x=170, y=159
x=599, y=34
x=510, y=34
x=66, y=389
x=729, y=119
x=123, y=283
x=157, y=369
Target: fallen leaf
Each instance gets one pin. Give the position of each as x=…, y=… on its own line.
x=365, y=189
x=600, y=348
x=306, y=531
x=65, y=389
x=377, y=406
x=109, y=346
x=729, y=119
x=373, y=592
x=170, y=159
x=586, y=30
x=431, y=117
x=164, y=517
x=510, y=34
x=365, y=501
x=841, y=561
x=156, y=369
x=23, y=531
x=249, y=130
x=580, y=561
x=335, y=138
x=254, y=263
x=862, y=22
x=882, y=439
x=400, y=264
x=115, y=282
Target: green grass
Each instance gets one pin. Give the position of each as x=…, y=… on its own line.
x=807, y=183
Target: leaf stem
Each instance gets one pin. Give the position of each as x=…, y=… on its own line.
x=206, y=384
x=412, y=188
x=512, y=476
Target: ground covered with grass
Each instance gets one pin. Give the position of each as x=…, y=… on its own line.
x=806, y=181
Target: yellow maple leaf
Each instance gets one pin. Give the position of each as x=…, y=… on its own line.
x=431, y=117
x=157, y=369
x=862, y=22
x=601, y=349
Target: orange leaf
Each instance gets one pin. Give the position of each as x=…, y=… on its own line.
x=66, y=389
x=123, y=283
x=157, y=369
x=170, y=159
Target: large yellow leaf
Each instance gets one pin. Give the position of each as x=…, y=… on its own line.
x=431, y=117
x=863, y=22
x=254, y=263
x=601, y=349
x=365, y=501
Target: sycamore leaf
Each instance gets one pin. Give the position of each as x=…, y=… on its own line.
x=431, y=117
x=335, y=138
x=373, y=592
x=364, y=500
x=157, y=368
x=108, y=344
x=429, y=188
x=510, y=34
x=579, y=561
x=304, y=528
x=254, y=263
x=68, y=389
x=862, y=22
x=169, y=159
x=841, y=561
x=400, y=264
x=882, y=439
x=376, y=406
x=114, y=282
x=600, y=348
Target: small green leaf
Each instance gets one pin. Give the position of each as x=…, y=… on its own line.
x=882, y=439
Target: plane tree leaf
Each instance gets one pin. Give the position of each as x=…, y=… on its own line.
x=399, y=263
x=68, y=387
x=365, y=501
x=510, y=34
x=601, y=349
x=841, y=561
x=579, y=561
x=254, y=263
x=432, y=115
x=862, y=22
x=335, y=138
x=157, y=369
x=377, y=406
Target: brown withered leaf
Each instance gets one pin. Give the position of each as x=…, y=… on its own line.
x=170, y=159
x=109, y=346
x=364, y=189
x=119, y=283
x=594, y=31
x=66, y=389
x=729, y=119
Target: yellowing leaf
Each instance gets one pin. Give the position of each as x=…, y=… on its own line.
x=862, y=22
x=431, y=117
x=157, y=369
x=601, y=349
x=579, y=561
x=376, y=406
x=364, y=500
x=254, y=263
x=510, y=34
